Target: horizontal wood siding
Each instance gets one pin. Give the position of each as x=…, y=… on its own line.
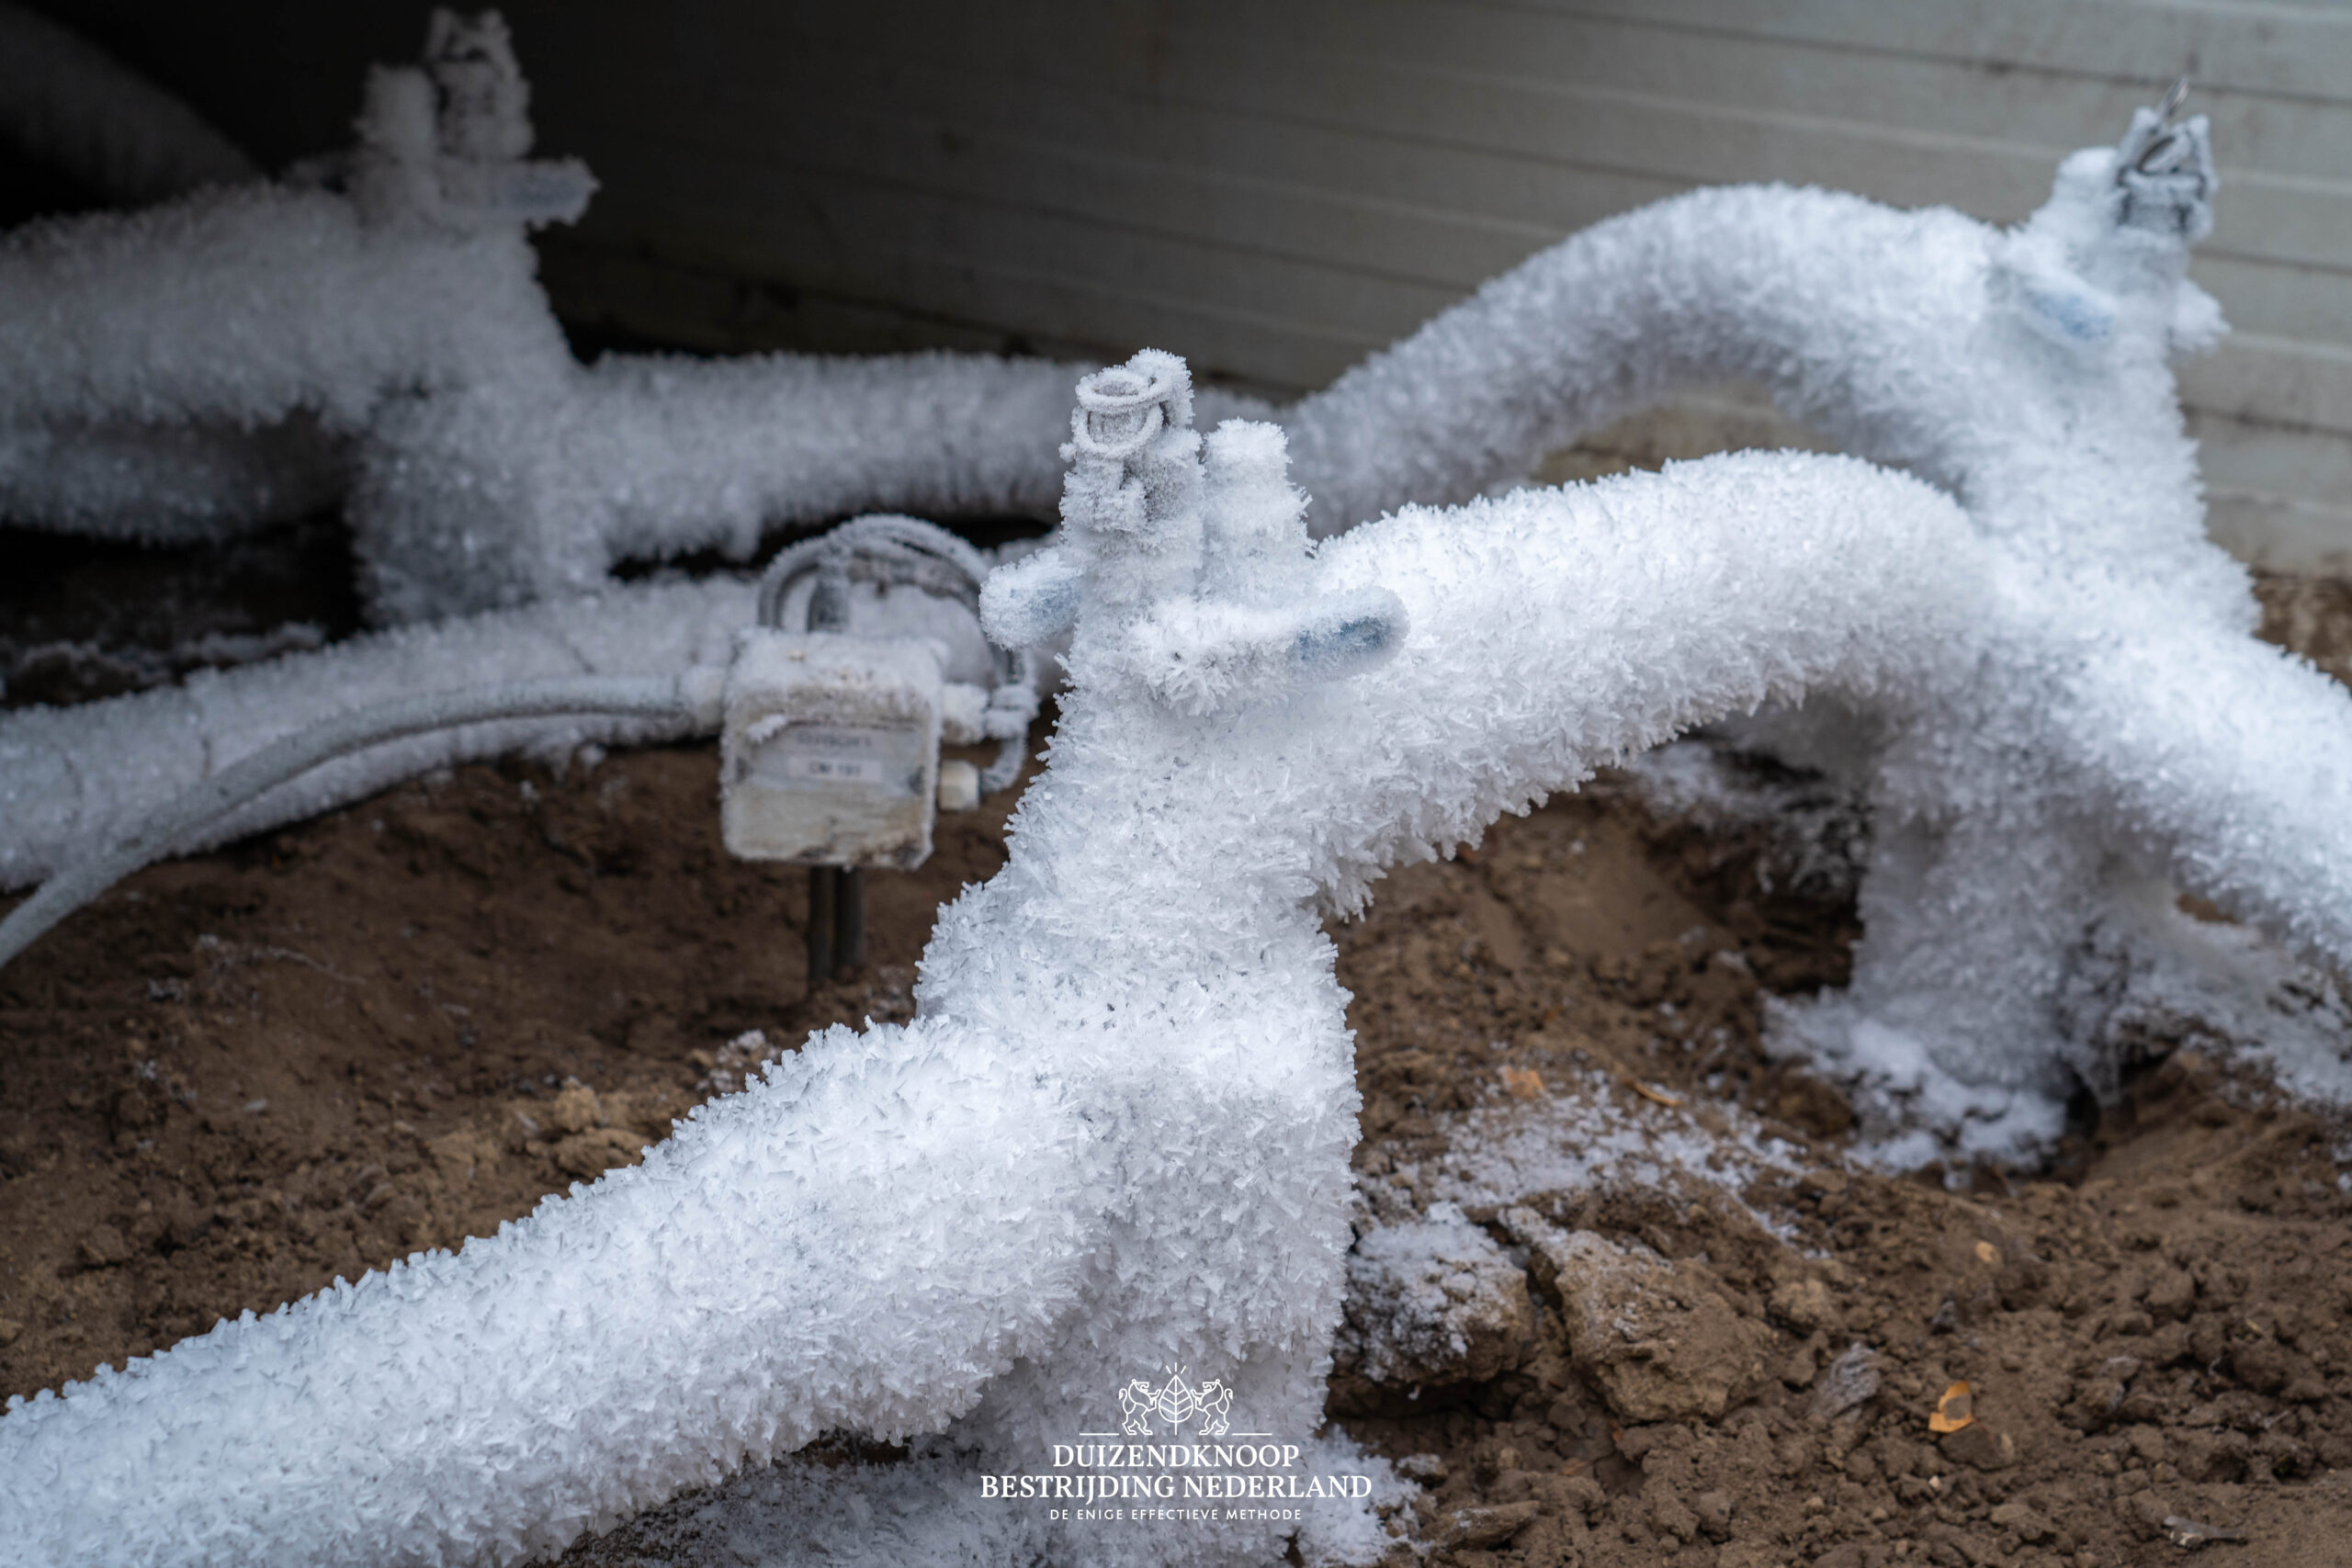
x=1276, y=187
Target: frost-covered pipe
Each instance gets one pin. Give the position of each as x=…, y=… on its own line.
x=142, y=354
x=2021, y=370
x=517, y=488
x=240, y=307
x=489, y=454
x=691, y=699
x=1117, y=1133
x=66, y=103
x=76, y=780
x=168, y=484
x=246, y=355
x=2025, y=371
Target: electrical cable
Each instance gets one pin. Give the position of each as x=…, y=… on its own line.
x=693, y=696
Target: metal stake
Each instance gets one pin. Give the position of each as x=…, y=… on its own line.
x=820, y=924
x=849, y=920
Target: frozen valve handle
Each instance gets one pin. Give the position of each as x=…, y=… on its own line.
x=1184, y=572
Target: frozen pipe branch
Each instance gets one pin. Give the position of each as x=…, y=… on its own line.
x=984, y=1222
x=76, y=780
x=691, y=700
x=66, y=103
x=142, y=354
x=73, y=781
x=525, y=488
x=151, y=364
x=240, y=307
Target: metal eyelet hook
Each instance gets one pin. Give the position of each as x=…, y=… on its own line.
x=2163, y=151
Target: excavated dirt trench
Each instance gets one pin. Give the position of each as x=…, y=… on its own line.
x=242, y=1075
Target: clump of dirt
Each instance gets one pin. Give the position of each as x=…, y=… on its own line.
x=243, y=1073
x=2165, y=1340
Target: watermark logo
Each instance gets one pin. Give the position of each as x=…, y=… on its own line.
x=1175, y=1403
x=1176, y=1460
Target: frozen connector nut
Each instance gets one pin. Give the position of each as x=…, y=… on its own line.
x=393, y=176
x=485, y=102
x=1254, y=544
x=830, y=753
x=1131, y=502
x=959, y=786
x=963, y=714
x=397, y=115
x=1032, y=601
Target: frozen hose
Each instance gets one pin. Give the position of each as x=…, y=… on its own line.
x=693, y=696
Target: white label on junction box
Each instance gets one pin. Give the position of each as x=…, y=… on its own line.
x=826, y=756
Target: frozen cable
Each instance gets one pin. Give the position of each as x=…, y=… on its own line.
x=693, y=695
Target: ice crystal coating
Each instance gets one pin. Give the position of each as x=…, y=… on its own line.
x=1432, y=1301
x=2024, y=371
x=2109, y=725
x=248, y=353
x=1116, y=1136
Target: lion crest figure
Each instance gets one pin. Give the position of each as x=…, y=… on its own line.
x=1175, y=1403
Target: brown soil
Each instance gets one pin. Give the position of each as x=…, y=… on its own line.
x=2162, y=1336
x=242, y=1075
x=239, y=1076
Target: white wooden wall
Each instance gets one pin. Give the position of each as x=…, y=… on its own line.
x=1275, y=187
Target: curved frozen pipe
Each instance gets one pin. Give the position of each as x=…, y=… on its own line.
x=2026, y=371
x=983, y=1222
x=2021, y=370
